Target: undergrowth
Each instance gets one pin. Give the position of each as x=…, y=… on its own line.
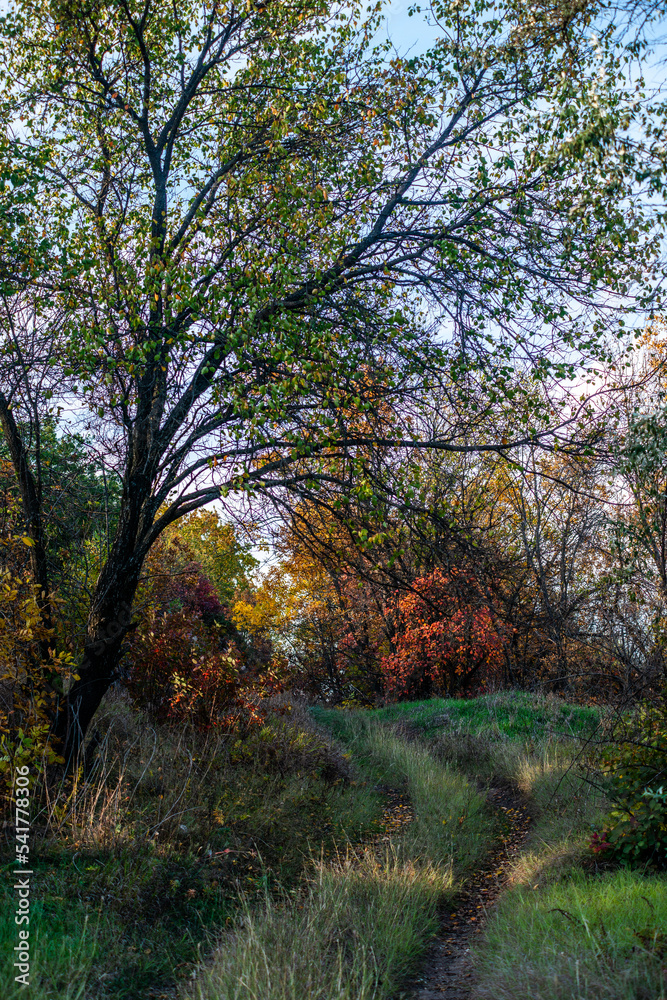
x=568, y=927
x=152, y=854
x=231, y=869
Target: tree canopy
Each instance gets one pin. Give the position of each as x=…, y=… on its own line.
x=265, y=245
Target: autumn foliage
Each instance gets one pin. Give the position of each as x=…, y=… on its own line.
x=33, y=674
x=187, y=663
x=446, y=638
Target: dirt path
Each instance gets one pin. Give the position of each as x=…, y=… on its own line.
x=447, y=972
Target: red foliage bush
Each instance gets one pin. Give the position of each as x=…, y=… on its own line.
x=180, y=672
x=185, y=663
x=446, y=641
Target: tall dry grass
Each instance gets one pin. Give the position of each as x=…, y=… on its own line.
x=364, y=918
x=359, y=924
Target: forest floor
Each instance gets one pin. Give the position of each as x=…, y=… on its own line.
x=429, y=850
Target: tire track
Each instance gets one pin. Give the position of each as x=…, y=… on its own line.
x=447, y=971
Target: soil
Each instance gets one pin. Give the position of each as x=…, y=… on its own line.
x=447, y=972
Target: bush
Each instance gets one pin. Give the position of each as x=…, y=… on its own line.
x=286, y=749
x=447, y=640
x=187, y=663
x=181, y=672
x=636, y=831
x=30, y=678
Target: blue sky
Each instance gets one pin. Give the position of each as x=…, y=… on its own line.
x=408, y=32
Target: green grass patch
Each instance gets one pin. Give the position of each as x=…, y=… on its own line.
x=564, y=931
x=603, y=937
x=512, y=714
x=64, y=947
x=113, y=926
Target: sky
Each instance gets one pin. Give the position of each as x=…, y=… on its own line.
x=407, y=32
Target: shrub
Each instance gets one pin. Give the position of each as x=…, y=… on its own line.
x=636, y=831
x=187, y=663
x=446, y=638
x=182, y=670
x=29, y=684
x=284, y=748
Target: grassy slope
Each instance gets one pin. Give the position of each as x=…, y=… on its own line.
x=155, y=856
x=255, y=844
x=515, y=714
x=573, y=930
x=564, y=930
x=364, y=919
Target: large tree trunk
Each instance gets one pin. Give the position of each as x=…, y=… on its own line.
x=77, y=708
x=109, y=621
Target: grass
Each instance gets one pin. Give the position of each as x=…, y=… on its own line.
x=135, y=874
x=113, y=925
x=510, y=714
x=565, y=929
x=271, y=856
x=451, y=821
x=362, y=923
x=354, y=933
x=64, y=947
x=580, y=937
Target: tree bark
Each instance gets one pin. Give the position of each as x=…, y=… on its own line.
x=109, y=622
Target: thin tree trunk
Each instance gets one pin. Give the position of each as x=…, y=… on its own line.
x=32, y=512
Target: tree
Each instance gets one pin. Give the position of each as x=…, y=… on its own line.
x=637, y=447
x=218, y=546
x=556, y=512
x=258, y=213
x=329, y=621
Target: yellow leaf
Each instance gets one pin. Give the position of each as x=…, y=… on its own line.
x=27, y=541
